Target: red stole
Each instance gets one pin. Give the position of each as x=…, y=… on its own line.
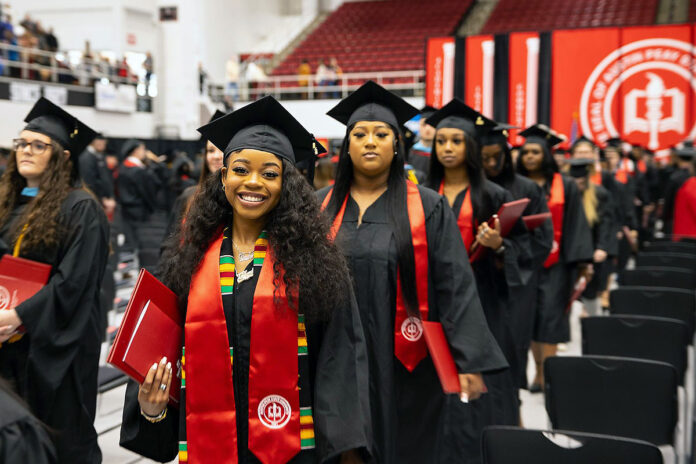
x=641, y=166
x=596, y=178
x=622, y=171
x=465, y=219
x=129, y=164
x=556, y=200
x=684, y=224
x=409, y=345
x=274, y=403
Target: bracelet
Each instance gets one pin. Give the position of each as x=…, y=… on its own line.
x=154, y=419
x=500, y=250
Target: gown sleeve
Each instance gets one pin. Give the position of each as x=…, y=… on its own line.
x=577, y=236
x=59, y=315
x=155, y=441
x=22, y=438
x=517, y=259
x=341, y=390
x=453, y=294
x=606, y=237
x=541, y=238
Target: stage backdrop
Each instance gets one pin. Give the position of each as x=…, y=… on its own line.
x=638, y=83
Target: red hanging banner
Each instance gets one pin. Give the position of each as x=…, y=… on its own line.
x=478, y=81
x=575, y=54
x=439, y=66
x=523, y=84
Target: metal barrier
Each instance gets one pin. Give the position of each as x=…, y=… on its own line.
x=50, y=71
x=404, y=83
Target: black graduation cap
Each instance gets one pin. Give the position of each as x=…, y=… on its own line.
x=217, y=115
x=687, y=151
x=372, y=102
x=541, y=134
x=497, y=135
x=49, y=119
x=264, y=125
x=582, y=139
x=458, y=115
x=579, y=167
x=128, y=147
x=427, y=111
x=615, y=142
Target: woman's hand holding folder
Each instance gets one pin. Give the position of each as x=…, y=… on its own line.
x=151, y=396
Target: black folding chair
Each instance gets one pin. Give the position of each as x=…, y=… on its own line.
x=626, y=397
x=514, y=445
x=674, y=277
x=674, y=247
x=672, y=303
x=641, y=337
x=665, y=259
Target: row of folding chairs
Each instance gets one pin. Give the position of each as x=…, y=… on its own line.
x=632, y=390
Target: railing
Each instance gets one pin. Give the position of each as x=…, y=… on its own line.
x=53, y=71
x=404, y=83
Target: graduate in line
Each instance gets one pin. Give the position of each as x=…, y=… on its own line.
x=571, y=252
x=212, y=163
x=500, y=169
x=680, y=208
x=419, y=153
x=409, y=264
x=598, y=207
x=274, y=365
x=52, y=360
x=456, y=172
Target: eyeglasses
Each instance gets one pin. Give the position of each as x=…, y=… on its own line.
x=37, y=147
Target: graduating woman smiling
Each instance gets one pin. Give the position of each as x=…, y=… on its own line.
x=274, y=364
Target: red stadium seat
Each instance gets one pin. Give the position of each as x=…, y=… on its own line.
x=388, y=35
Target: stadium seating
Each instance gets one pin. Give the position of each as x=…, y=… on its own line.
x=540, y=15
x=377, y=36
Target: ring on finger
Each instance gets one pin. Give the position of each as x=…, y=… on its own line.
x=162, y=387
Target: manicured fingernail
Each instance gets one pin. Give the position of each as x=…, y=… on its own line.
x=164, y=360
x=169, y=366
x=154, y=366
x=464, y=398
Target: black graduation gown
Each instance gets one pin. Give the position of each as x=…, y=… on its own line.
x=22, y=437
x=676, y=180
x=96, y=175
x=556, y=282
x=178, y=210
x=412, y=419
x=54, y=366
x=522, y=299
x=337, y=383
x=494, y=277
x=603, y=238
x=137, y=191
x=420, y=160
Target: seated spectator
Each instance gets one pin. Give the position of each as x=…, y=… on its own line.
x=304, y=70
x=322, y=78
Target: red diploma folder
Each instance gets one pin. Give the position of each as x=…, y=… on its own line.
x=442, y=356
x=535, y=220
x=577, y=292
x=151, y=328
x=508, y=215
x=20, y=279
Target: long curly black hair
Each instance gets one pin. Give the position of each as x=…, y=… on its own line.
x=298, y=233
